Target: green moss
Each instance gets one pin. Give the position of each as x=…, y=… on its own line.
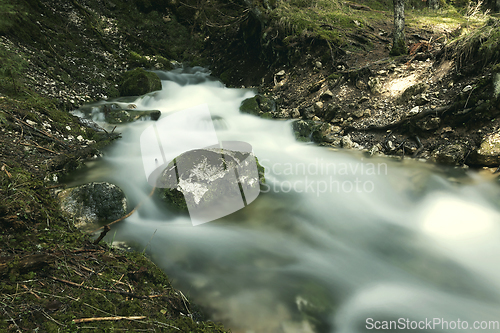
x=399, y=48
x=139, y=82
x=251, y=106
x=226, y=76
x=12, y=65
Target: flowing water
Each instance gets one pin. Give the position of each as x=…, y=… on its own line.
x=335, y=242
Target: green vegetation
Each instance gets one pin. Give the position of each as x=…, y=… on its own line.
x=12, y=66
x=480, y=48
x=139, y=82
x=328, y=20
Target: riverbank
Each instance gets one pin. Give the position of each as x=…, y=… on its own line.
x=56, y=57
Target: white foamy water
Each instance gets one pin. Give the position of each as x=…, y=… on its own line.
x=339, y=242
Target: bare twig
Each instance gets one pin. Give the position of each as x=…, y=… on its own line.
x=12, y=320
x=4, y=168
x=126, y=293
x=103, y=234
x=40, y=147
x=86, y=320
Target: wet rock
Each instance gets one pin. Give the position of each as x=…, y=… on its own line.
x=324, y=132
x=411, y=91
x=452, y=154
x=488, y=152
x=114, y=114
x=258, y=105
x=347, y=142
x=428, y=124
x=210, y=177
x=91, y=124
x=376, y=150
x=139, y=82
x=93, y=203
x=303, y=129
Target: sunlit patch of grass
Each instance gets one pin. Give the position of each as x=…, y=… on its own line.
x=323, y=19
x=443, y=20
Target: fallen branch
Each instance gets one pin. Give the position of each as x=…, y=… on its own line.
x=423, y=114
x=102, y=235
x=4, y=168
x=40, y=147
x=86, y=320
x=125, y=293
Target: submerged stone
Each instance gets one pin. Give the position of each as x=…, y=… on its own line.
x=118, y=115
x=93, y=203
x=139, y=82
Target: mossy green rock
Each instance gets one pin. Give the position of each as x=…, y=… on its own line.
x=259, y=106
x=303, y=129
x=93, y=203
x=206, y=178
x=139, y=82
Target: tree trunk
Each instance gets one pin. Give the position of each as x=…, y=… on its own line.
x=433, y=4
x=399, y=42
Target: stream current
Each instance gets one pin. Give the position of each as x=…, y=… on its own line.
x=335, y=242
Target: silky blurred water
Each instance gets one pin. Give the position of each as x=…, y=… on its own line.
x=335, y=242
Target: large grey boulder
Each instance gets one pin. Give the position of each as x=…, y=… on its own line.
x=92, y=203
x=211, y=181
